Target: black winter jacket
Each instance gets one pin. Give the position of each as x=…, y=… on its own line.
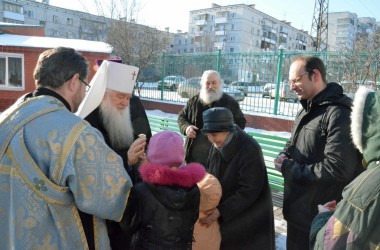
x=322, y=156
x=161, y=210
x=197, y=149
x=246, y=209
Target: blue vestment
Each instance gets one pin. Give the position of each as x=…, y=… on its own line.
x=53, y=163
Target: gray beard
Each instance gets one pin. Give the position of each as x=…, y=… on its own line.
x=117, y=124
x=209, y=97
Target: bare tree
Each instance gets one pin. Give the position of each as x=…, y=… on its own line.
x=360, y=63
x=136, y=44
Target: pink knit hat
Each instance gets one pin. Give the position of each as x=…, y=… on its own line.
x=166, y=148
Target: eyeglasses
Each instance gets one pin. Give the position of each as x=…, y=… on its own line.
x=85, y=83
x=294, y=81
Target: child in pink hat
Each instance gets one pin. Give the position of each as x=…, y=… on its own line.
x=163, y=208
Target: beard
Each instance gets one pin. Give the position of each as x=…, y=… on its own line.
x=117, y=124
x=210, y=96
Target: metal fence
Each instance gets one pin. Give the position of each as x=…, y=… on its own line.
x=257, y=69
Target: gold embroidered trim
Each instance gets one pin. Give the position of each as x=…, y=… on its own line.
x=78, y=221
x=67, y=146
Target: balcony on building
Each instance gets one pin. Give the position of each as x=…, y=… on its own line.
x=201, y=22
x=283, y=32
x=269, y=29
x=220, y=33
x=198, y=33
x=13, y=16
x=221, y=17
x=268, y=40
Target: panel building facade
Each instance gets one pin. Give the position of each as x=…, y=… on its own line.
x=238, y=28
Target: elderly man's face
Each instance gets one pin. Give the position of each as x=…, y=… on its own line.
x=218, y=138
x=212, y=83
x=118, y=99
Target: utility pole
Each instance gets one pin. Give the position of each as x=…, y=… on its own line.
x=319, y=27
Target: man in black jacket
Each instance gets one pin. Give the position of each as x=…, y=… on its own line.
x=190, y=119
x=319, y=159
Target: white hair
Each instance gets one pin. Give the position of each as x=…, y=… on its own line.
x=117, y=123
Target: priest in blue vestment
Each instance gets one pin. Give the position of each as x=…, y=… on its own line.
x=54, y=164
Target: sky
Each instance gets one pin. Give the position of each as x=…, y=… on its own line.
x=175, y=13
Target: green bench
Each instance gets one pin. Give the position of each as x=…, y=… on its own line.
x=271, y=145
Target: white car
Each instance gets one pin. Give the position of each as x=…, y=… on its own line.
x=171, y=82
x=285, y=93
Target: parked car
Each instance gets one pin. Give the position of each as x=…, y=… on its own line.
x=171, y=82
x=235, y=93
x=285, y=93
x=242, y=86
x=267, y=89
x=192, y=87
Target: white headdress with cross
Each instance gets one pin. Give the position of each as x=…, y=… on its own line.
x=110, y=75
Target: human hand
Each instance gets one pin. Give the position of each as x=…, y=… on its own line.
x=278, y=161
x=136, y=151
x=211, y=216
x=191, y=131
x=329, y=206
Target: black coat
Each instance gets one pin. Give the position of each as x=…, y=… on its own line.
x=161, y=210
x=140, y=125
x=246, y=208
x=196, y=150
x=322, y=160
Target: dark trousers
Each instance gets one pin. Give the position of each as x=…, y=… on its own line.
x=296, y=239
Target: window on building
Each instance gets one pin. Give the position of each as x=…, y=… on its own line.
x=258, y=32
x=55, y=19
x=30, y=13
x=11, y=71
x=12, y=7
x=231, y=49
x=55, y=32
x=69, y=21
x=232, y=26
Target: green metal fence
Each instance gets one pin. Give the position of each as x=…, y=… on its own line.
x=257, y=69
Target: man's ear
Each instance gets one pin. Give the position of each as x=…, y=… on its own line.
x=72, y=83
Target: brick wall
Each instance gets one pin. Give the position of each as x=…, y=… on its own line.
x=30, y=59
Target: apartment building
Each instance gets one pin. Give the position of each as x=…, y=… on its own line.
x=344, y=27
x=57, y=22
x=238, y=28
